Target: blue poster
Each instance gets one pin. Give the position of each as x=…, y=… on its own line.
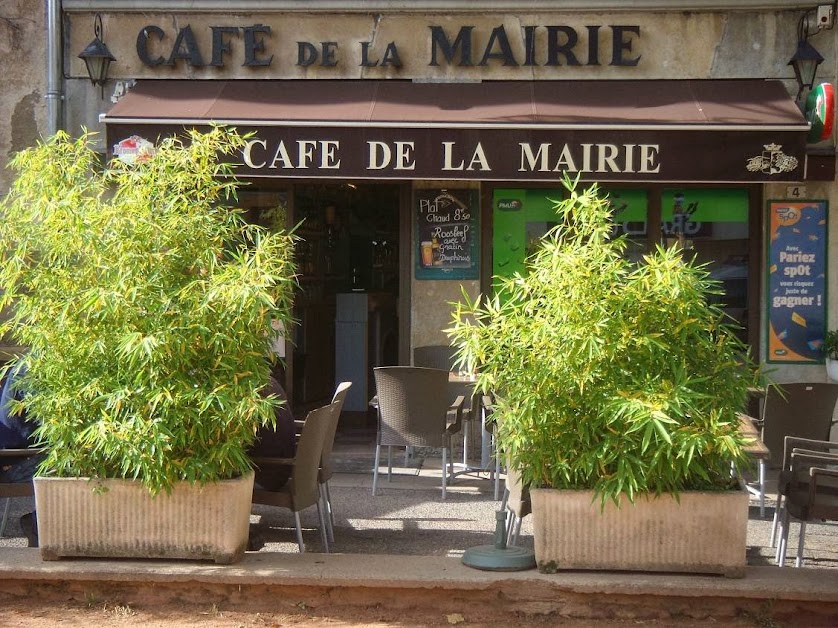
x=796, y=281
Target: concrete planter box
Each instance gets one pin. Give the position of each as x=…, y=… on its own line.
x=706, y=532
x=120, y=519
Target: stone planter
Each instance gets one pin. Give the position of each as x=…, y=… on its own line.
x=832, y=369
x=706, y=532
x=120, y=519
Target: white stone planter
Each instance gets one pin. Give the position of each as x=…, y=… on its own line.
x=706, y=532
x=120, y=519
x=832, y=369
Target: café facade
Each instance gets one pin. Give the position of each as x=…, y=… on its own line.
x=421, y=145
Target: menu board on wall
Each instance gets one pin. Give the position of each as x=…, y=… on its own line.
x=447, y=234
x=796, y=281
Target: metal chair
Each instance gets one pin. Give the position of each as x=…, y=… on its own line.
x=802, y=410
x=414, y=411
x=807, y=490
x=302, y=489
x=785, y=478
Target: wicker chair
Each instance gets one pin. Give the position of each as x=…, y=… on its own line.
x=807, y=490
x=802, y=410
x=444, y=357
x=434, y=357
x=303, y=489
x=414, y=411
x=326, y=471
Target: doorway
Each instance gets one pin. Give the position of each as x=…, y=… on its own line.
x=348, y=264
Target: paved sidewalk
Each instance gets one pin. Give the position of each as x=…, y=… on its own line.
x=407, y=543
x=408, y=517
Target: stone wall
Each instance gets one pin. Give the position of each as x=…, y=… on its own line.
x=23, y=114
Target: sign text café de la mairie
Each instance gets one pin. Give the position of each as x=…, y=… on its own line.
x=252, y=46
x=397, y=156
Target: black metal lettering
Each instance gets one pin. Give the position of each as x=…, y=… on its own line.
x=498, y=37
x=253, y=45
x=622, y=44
x=593, y=45
x=306, y=53
x=391, y=56
x=220, y=45
x=365, y=55
x=529, y=45
x=554, y=49
x=142, y=45
x=186, y=48
x=439, y=40
x=329, y=55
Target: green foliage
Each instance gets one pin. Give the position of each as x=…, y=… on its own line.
x=146, y=304
x=610, y=376
x=830, y=344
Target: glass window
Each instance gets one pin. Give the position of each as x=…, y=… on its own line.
x=712, y=225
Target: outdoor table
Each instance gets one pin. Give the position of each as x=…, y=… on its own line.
x=463, y=384
x=756, y=449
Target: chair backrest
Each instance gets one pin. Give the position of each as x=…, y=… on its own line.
x=812, y=482
x=338, y=398
x=412, y=405
x=803, y=410
x=304, y=476
x=15, y=456
x=434, y=357
x=518, y=500
x=340, y=393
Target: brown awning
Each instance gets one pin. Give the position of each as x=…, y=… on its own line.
x=717, y=130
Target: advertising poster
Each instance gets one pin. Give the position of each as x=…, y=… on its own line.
x=447, y=234
x=796, y=281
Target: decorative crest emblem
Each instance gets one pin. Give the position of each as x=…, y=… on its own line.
x=133, y=149
x=772, y=161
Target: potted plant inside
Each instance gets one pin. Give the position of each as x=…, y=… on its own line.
x=145, y=303
x=617, y=390
x=830, y=351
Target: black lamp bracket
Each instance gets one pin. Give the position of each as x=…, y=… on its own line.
x=97, y=26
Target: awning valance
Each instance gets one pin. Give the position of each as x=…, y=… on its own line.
x=731, y=130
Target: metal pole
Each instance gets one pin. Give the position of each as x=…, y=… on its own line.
x=54, y=96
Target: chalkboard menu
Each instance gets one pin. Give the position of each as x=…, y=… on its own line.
x=447, y=234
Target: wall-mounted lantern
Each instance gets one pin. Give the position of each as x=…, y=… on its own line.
x=97, y=57
x=805, y=63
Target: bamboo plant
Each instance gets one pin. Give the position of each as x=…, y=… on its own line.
x=608, y=375
x=145, y=303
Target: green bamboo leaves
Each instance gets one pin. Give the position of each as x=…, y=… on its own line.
x=611, y=376
x=146, y=304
